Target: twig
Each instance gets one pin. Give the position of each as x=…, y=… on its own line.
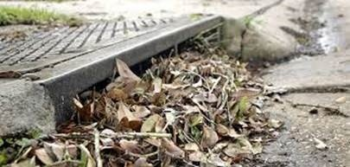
x=97, y=148
x=198, y=75
x=62, y=163
x=138, y=135
x=214, y=85
x=131, y=135
x=330, y=110
x=143, y=156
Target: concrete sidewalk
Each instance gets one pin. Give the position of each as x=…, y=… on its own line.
x=318, y=103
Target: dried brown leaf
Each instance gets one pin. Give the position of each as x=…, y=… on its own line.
x=341, y=100
x=197, y=156
x=206, y=97
x=150, y=123
x=157, y=85
x=172, y=149
x=124, y=112
x=77, y=103
x=10, y=74
x=214, y=159
x=249, y=93
x=57, y=149
x=209, y=138
x=222, y=130
x=43, y=156
x=141, y=111
x=24, y=163
x=142, y=162
x=72, y=150
x=320, y=144
x=125, y=72
x=117, y=94
x=130, y=146
x=191, y=147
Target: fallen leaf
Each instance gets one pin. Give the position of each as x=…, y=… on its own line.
x=209, y=138
x=172, y=149
x=142, y=162
x=196, y=119
x=170, y=118
x=117, y=94
x=274, y=123
x=107, y=142
x=157, y=85
x=43, y=156
x=197, y=156
x=235, y=149
x=150, y=123
x=214, y=159
x=107, y=132
x=130, y=146
x=257, y=148
x=320, y=144
x=205, y=97
x=219, y=147
x=24, y=163
x=10, y=74
x=198, y=84
x=160, y=124
x=222, y=130
x=341, y=100
x=56, y=149
x=72, y=150
x=191, y=147
x=124, y=112
x=125, y=72
x=249, y=93
x=232, y=133
x=86, y=158
x=77, y=103
x=141, y=111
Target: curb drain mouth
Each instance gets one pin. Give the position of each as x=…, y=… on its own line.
x=65, y=74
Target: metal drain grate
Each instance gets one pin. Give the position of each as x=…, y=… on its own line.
x=70, y=41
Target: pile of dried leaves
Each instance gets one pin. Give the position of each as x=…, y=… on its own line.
x=187, y=110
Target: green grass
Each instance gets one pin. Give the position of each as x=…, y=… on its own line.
x=33, y=16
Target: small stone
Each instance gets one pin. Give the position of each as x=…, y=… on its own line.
x=313, y=111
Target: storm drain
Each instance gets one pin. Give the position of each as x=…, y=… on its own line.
x=68, y=60
x=68, y=42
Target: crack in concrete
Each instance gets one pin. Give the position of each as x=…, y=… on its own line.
x=320, y=89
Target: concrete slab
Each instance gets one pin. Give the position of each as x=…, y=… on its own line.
x=131, y=9
x=296, y=145
x=304, y=72
x=25, y=106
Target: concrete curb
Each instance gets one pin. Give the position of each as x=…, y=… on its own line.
x=42, y=103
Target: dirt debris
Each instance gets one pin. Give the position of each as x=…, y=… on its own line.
x=187, y=110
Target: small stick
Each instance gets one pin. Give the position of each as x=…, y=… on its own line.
x=97, y=148
x=138, y=135
x=115, y=135
x=331, y=110
x=65, y=162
